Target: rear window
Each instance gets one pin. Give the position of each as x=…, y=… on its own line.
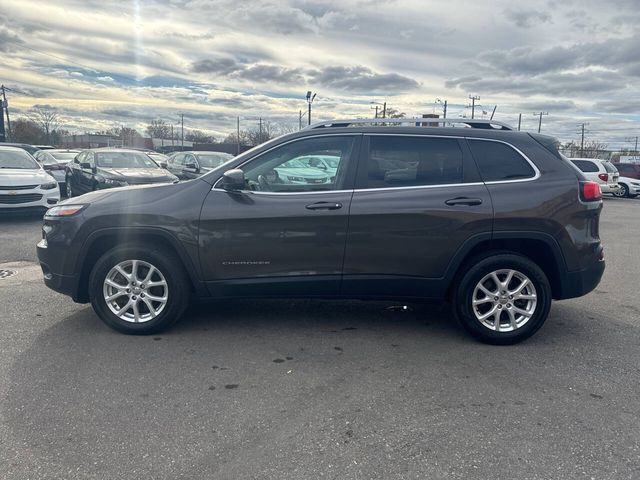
x=586, y=165
x=499, y=161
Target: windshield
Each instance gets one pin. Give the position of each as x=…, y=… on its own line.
x=124, y=160
x=158, y=157
x=17, y=159
x=63, y=156
x=213, y=160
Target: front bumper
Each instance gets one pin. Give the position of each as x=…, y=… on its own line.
x=66, y=284
x=29, y=199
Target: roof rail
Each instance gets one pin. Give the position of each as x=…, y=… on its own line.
x=414, y=122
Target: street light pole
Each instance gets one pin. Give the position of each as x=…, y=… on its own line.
x=310, y=98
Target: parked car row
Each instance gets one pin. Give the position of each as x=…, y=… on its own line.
x=34, y=177
x=607, y=175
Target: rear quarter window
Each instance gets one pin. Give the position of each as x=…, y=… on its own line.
x=499, y=162
x=586, y=166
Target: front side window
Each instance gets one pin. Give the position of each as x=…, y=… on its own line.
x=403, y=161
x=499, y=162
x=284, y=169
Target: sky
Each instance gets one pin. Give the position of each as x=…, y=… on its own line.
x=102, y=63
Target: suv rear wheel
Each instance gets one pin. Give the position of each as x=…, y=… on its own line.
x=503, y=299
x=139, y=292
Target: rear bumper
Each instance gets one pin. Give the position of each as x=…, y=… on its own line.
x=609, y=188
x=579, y=283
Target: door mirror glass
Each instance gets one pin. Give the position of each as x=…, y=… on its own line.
x=192, y=166
x=233, y=180
x=85, y=166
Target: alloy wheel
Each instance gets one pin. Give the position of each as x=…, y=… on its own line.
x=504, y=300
x=135, y=291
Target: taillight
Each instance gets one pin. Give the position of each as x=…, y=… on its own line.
x=603, y=176
x=590, y=191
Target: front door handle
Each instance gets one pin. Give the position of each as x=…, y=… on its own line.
x=464, y=201
x=324, y=206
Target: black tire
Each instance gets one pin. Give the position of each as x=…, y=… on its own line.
x=623, y=191
x=475, y=271
x=178, y=285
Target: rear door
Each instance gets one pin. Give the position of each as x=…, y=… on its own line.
x=418, y=199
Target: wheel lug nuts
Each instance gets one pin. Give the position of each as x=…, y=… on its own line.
x=142, y=286
x=499, y=307
x=510, y=297
x=128, y=290
x=133, y=298
x=508, y=305
x=496, y=298
x=142, y=295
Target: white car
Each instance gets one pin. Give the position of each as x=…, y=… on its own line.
x=629, y=187
x=24, y=184
x=600, y=171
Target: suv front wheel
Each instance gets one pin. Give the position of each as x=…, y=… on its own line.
x=503, y=299
x=139, y=291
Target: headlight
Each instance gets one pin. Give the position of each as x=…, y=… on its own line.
x=64, y=210
x=49, y=185
x=118, y=183
x=295, y=179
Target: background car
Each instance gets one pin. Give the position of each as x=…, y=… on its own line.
x=188, y=165
x=159, y=158
x=629, y=170
x=600, y=171
x=24, y=146
x=55, y=163
x=629, y=187
x=297, y=172
x=327, y=163
x=24, y=184
x=112, y=167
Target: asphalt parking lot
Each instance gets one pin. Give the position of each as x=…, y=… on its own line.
x=316, y=389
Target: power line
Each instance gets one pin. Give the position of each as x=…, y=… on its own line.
x=50, y=55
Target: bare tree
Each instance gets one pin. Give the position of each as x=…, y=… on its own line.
x=46, y=118
x=198, y=136
x=26, y=131
x=594, y=149
x=158, y=129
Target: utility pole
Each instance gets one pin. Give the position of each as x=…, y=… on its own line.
x=300, y=120
x=172, y=137
x=376, y=108
x=635, y=150
x=238, y=133
x=444, y=110
x=182, y=131
x=260, y=130
x=494, y=112
x=473, y=104
x=5, y=105
x=519, y=121
x=540, y=121
x=582, y=125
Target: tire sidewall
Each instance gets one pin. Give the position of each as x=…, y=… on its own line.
x=165, y=262
x=476, y=272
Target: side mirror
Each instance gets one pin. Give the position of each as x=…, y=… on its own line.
x=163, y=164
x=85, y=166
x=192, y=166
x=233, y=180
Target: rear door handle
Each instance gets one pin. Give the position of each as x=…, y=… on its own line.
x=464, y=201
x=324, y=206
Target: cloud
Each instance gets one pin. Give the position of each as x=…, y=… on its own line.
x=362, y=80
x=527, y=18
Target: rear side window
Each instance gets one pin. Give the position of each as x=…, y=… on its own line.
x=609, y=167
x=499, y=162
x=397, y=161
x=586, y=166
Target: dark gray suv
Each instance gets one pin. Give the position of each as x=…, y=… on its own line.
x=495, y=221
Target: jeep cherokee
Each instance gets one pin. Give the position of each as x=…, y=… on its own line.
x=494, y=221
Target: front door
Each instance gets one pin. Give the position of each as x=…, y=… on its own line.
x=417, y=200
x=285, y=234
